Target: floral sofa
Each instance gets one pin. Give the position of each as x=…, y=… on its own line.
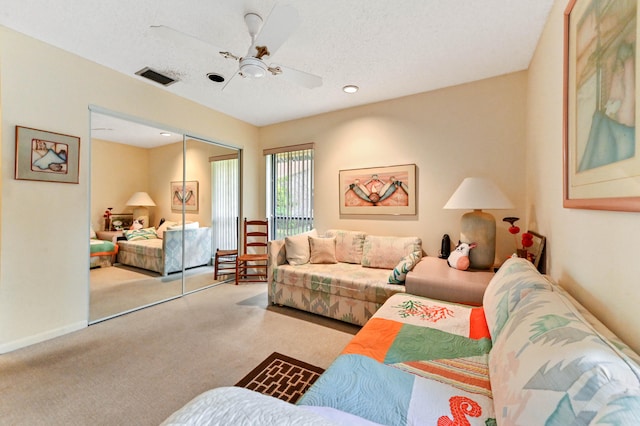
x=345, y=275
x=162, y=251
x=531, y=355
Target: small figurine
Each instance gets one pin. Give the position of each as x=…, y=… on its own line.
x=459, y=258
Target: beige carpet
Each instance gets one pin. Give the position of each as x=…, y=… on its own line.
x=120, y=288
x=138, y=368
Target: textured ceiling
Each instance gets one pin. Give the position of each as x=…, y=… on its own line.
x=388, y=48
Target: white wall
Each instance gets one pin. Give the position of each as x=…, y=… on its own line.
x=591, y=253
x=44, y=226
x=476, y=129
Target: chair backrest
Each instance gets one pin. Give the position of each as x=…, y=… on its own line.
x=256, y=236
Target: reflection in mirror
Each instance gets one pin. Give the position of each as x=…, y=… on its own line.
x=137, y=218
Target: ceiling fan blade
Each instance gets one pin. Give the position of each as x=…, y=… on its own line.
x=280, y=24
x=181, y=39
x=302, y=78
x=235, y=76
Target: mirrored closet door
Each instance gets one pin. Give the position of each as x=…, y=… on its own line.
x=153, y=230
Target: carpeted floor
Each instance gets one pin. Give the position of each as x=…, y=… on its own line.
x=282, y=377
x=120, y=288
x=138, y=368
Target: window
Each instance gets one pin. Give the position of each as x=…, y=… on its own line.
x=290, y=190
x=224, y=201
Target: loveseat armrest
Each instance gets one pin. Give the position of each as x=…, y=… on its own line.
x=277, y=255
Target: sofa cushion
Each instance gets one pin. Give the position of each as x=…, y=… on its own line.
x=348, y=245
x=515, y=279
x=399, y=273
x=297, y=247
x=341, y=279
x=323, y=250
x=548, y=365
x=386, y=252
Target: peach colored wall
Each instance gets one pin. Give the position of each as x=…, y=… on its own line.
x=591, y=253
x=476, y=129
x=44, y=226
x=117, y=171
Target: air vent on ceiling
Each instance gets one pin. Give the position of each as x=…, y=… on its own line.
x=147, y=72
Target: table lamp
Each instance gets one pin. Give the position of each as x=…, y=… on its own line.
x=141, y=200
x=477, y=226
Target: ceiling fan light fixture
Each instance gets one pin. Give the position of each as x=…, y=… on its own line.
x=252, y=68
x=350, y=88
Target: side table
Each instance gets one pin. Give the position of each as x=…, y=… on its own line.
x=109, y=235
x=432, y=277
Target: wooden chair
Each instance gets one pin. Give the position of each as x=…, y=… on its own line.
x=224, y=262
x=251, y=265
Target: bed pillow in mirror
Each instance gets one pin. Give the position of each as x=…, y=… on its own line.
x=141, y=234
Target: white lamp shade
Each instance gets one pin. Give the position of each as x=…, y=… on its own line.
x=476, y=193
x=140, y=199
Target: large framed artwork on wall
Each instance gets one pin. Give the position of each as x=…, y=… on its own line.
x=378, y=190
x=46, y=156
x=601, y=153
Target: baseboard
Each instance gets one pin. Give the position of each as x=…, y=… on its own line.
x=37, y=338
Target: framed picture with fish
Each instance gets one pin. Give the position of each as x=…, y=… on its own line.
x=46, y=156
x=186, y=195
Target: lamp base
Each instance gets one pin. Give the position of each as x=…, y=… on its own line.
x=479, y=227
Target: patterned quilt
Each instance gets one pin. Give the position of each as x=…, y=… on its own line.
x=413, y=348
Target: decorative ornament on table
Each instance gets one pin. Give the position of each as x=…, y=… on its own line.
x=527, y=238
x=107, y=218
x=459, y=258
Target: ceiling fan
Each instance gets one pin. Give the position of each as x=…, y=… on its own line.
x=266, y=39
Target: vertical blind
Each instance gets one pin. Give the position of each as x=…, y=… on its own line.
x=290, y=190
x=224, y=202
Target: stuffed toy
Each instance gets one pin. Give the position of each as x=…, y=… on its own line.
x=136, y=224
x=459, y=258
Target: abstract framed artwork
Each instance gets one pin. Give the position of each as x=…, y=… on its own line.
x=46, y=156
x=601, y=153
x=187, y=196
x=387, y=190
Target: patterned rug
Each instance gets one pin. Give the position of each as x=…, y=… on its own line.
x=282, y=377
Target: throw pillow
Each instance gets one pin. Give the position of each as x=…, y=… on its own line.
x=140, y=234
x=187, y=225
x=166, y=225
x=399, y=273
x=297, y=247
x=348, y=245
x=385, y=252
x=323, y=250
x=92, y=233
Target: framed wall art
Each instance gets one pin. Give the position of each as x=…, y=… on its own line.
x=120, y=221
x=46, y=156
x=601, y=153
x=187, y=196
x=536, y=251
x=378, y=190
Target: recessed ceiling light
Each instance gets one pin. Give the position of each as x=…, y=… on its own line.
x=350, y=88
x=165, y=134
x=215, y=77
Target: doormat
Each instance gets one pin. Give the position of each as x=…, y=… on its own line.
x=282, y=377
